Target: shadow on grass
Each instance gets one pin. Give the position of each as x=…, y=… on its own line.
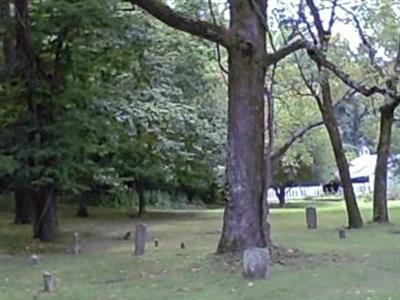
x=323, y=202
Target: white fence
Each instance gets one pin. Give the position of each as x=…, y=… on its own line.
x=301, y=192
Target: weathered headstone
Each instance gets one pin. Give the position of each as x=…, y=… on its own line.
x=183, y=245
x=156, y=242
x=140, y=239
x=48, y=282
x=342, y=233
x=34, y=259
x=77, y=247
x=311, y=217
x=127, y=236
x=255, y=263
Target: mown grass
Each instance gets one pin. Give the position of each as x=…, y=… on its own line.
x=366, y=265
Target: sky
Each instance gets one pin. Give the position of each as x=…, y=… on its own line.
x=347, y=31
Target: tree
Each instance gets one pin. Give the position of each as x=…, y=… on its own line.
x=49, y=100
x=299, y=144
x=173, y=116
x=385, y=86
x=324, y=100
x=245, y=41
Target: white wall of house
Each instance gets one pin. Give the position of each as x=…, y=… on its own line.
x=302, y=192
x=362, y=166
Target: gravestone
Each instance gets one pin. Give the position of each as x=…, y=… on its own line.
x=256, y=263
x=311, y=217
x=127, y=236
x=48, y=282
x=156, y=242
x=77, y=247
x=140, y=239
x=342, y=234
x=34, y=259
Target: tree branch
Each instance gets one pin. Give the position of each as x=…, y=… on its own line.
x=346, y=78
x=293, y=138
x=317, y=19
x=365, y=41
x=396, y=67
x=219, y=56
x=274, y=58
x=165, y=14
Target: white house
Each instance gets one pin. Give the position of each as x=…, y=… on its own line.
x=362, y=172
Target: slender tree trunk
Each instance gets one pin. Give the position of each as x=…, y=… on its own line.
x=244, y=212
x=189, y=195
x=8, y=40
x=82, y=209
x=142, y=199
x=33, y=77
x=281, y=194
x=380, y=209
x=23, y=205
x=353, y=212
x=45, y=208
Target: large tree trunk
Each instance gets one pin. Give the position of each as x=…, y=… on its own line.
x=244, y=213
x=245, y=218
x=353, y=212
x=380, y=210
x=23, y=204
x=45, y=208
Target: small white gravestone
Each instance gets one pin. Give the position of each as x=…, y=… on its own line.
x=48, y=282
x=77, y=247
x=255, y=263
x=34, y=259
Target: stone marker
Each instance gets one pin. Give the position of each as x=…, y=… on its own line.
x=342, y=233
x=140, y=239
x=255, y=263
x=311, y=217
x=127, y=236
x=34, y=259
x=77, y=247
x=156, y=242
x=48, y=282
x=183, y=245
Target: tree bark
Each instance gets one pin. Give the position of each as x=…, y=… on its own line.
x=23, y=205
x=33, y=77
x=45, y=218
x=326, y=108
x=380, y=209
x=82, y=209
x=281, y=194
x=8, y=41
x=142, y=199
x=243, y=218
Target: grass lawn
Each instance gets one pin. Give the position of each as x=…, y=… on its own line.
x=366, y=265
